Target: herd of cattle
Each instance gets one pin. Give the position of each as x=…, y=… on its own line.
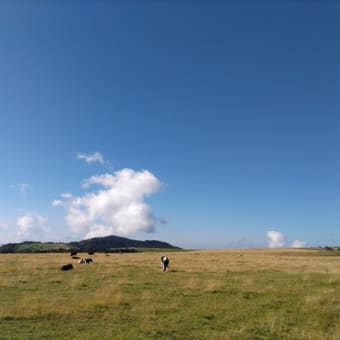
x=164, y=261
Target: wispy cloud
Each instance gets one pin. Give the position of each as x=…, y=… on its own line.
x=275, y=239
x=32, y=225
x=118, y=207
x=163, y=220
x=58, y=203
x=22, y=187
x=3, y=225
x=91, y=158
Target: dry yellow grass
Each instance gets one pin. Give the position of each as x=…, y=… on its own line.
x=229, y=294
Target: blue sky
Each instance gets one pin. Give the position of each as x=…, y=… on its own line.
x=217, y=123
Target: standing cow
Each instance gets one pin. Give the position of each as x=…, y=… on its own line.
x=165, y=263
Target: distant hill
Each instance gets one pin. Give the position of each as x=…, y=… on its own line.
x=98, y=244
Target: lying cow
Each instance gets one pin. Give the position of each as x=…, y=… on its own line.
x=86, y=261
x=67, y=267
x=165, y=263
x=73, y=253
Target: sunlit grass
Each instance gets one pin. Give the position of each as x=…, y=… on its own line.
x=250, y=294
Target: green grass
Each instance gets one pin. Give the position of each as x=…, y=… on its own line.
x=159, y=250
x=38, y=247
x=254, y=294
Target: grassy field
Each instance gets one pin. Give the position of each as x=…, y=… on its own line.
x=250, y=294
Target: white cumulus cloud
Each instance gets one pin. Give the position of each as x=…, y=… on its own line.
x=91, y=158
x=298, y=244
x=275, y=239
x=116, y=207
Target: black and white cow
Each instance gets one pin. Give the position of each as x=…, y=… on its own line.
x=86, y=261
x=165, y=263
x=67, y=267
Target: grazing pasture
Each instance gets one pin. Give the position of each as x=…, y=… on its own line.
x=234, y=294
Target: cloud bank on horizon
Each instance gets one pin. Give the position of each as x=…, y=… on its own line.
x=27, y=226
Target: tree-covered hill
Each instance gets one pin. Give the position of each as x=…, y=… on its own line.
x=98, y=244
